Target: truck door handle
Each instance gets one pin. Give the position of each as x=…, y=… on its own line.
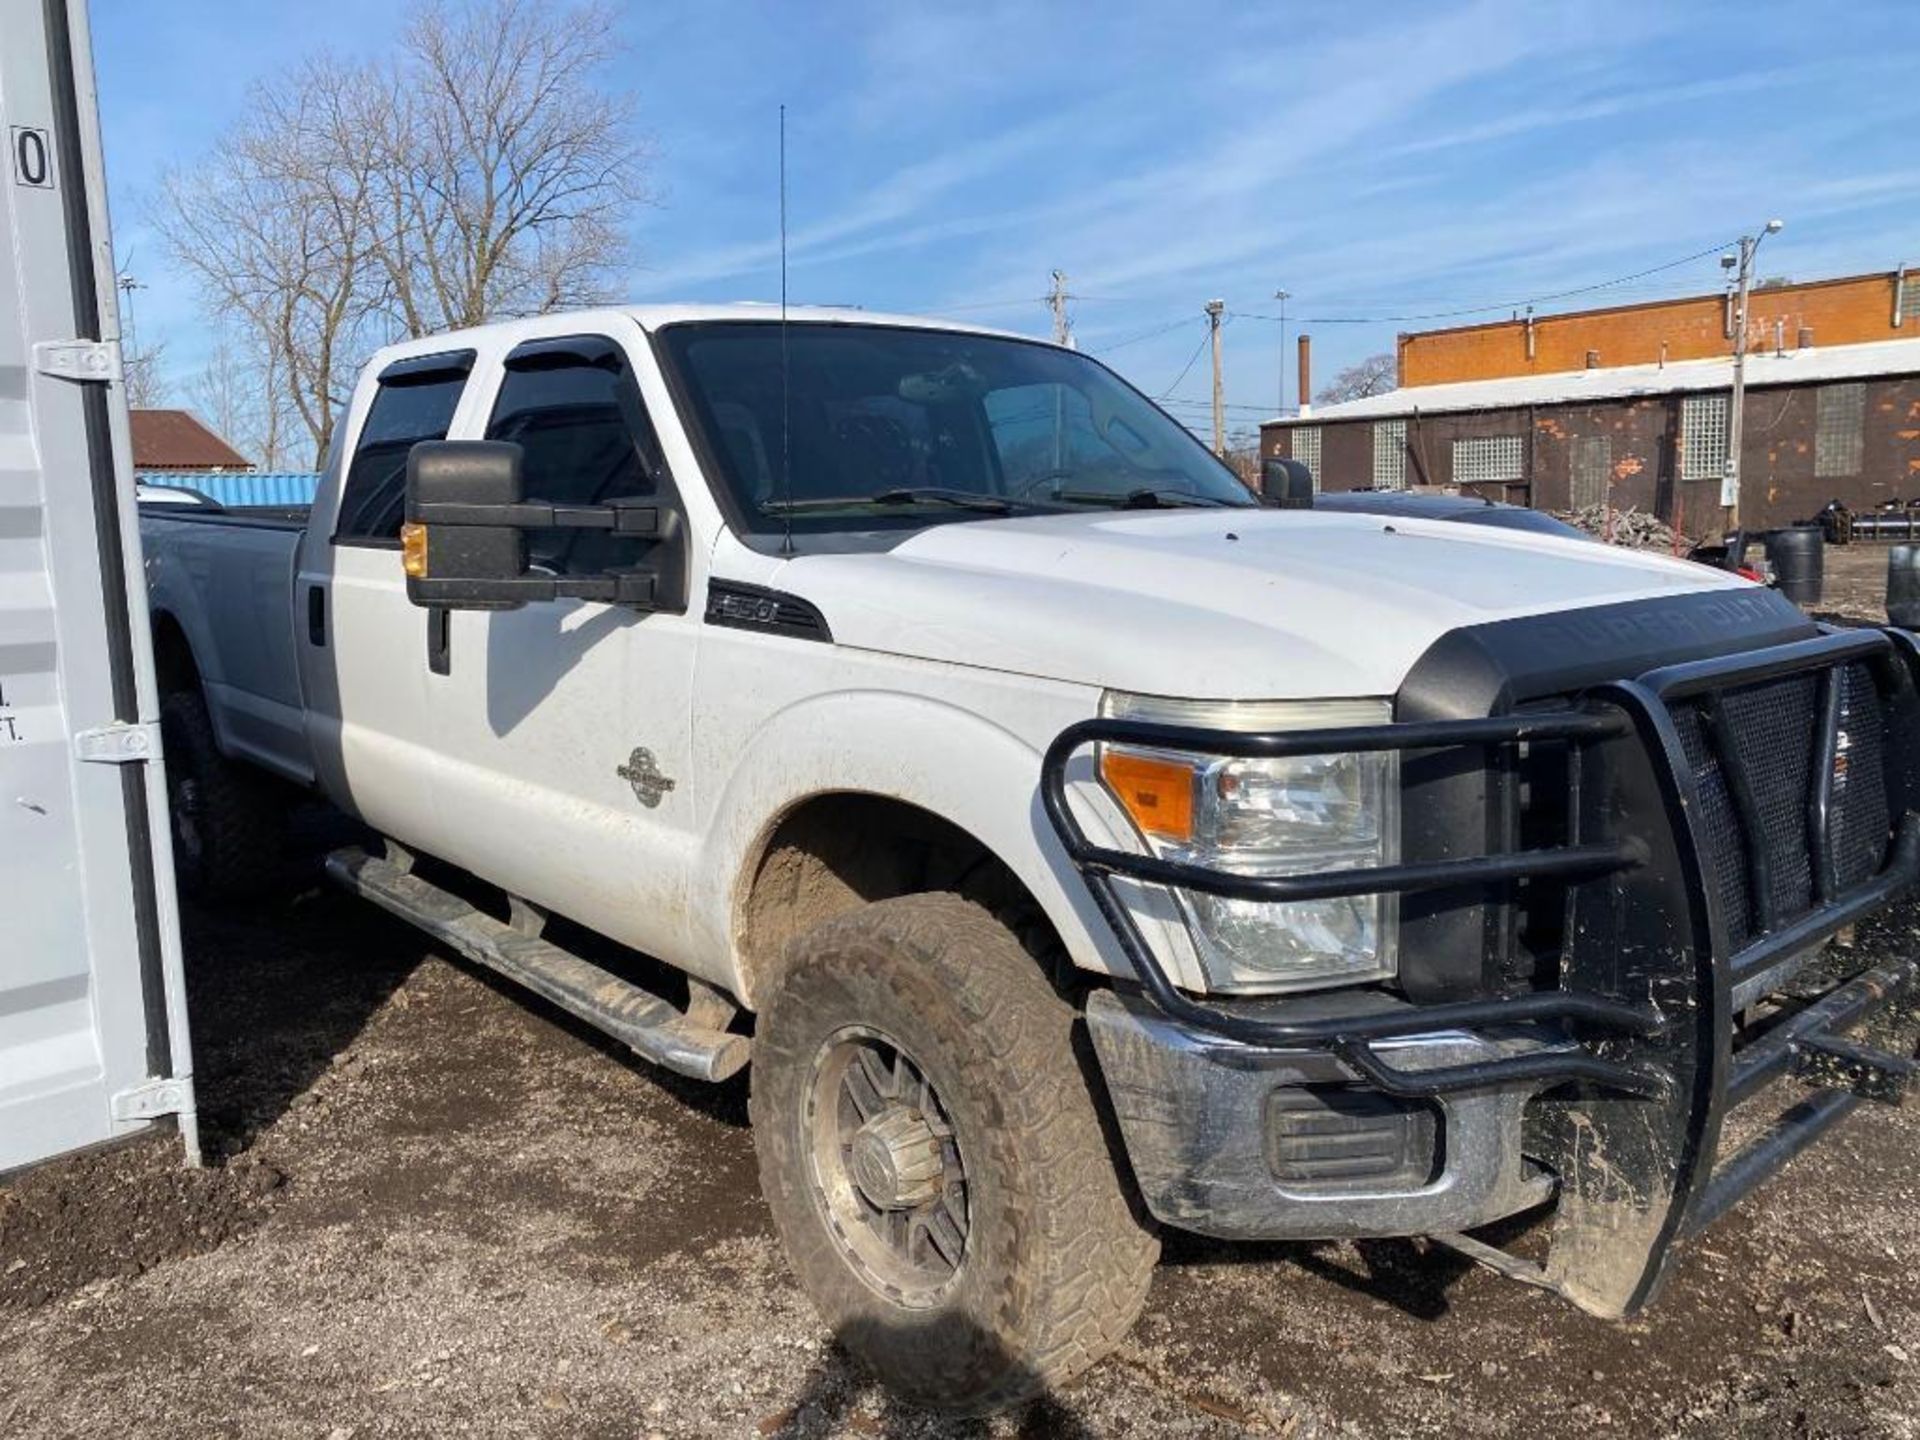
x=440, y=640
x=316, y=615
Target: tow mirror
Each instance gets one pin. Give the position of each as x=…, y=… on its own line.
x=1287, y=484
x=464, y=543
x=456, y=560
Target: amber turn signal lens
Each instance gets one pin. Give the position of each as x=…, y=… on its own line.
x=413, y=550
x=1157, y=793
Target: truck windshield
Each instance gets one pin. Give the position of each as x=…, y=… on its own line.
x=884, y=427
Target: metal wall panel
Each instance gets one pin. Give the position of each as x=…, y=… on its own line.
x=93, y=1039
x=279, y=489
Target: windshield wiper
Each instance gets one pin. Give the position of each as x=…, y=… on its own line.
x=900, y=495
x=1143, y=499
x=965, y=499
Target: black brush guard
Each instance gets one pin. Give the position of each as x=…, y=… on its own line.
x=1647, y=980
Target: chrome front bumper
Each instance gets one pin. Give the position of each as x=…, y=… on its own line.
x=1209, y=1123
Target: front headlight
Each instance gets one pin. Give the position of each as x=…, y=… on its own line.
x=1298, y=816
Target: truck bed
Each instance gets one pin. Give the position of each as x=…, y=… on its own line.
x=223, y=580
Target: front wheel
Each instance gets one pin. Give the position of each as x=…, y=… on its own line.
x=935, y=1164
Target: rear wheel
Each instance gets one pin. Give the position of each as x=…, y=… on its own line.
x=228, y=824
x=930, y=1149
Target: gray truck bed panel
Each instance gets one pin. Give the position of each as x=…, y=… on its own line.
x=226, y=580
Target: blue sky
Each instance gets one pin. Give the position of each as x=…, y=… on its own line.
x=1378, y=162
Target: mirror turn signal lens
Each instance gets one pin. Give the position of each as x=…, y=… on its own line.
x=1156, y=792
x=413, y=550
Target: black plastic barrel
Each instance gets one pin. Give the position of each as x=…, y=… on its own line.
x=1903, y=586
x=1798, y=557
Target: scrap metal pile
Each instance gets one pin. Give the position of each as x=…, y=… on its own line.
x=1633, y=528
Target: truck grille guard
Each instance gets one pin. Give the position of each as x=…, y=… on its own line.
x=1673, y=940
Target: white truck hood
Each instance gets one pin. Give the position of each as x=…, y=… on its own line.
x=1216, y=604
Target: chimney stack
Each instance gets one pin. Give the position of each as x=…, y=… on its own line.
x=1306, y=373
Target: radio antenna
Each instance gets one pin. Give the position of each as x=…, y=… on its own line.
x=786, y=425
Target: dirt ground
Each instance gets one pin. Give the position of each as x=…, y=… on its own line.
x=1856, y=582
x=437, y=1207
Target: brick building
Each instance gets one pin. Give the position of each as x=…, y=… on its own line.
x=1631, y=403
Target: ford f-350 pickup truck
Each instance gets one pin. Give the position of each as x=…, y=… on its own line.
x=1072, y=845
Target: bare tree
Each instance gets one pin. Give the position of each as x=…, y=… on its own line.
x=1243, y=456
x=278, y=224
x=1374, y=375
x=146, y=376
x=242, y=400
x=476, y=173
x=507, y=175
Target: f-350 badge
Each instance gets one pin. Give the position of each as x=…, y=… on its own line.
x=643, y=774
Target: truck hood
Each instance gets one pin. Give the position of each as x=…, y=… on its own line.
x=1216, y=604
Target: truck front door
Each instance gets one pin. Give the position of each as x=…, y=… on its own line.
x=566, y=775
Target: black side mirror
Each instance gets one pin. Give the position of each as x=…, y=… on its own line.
x=1287, y=484
x=464, y=544
x=457, y=563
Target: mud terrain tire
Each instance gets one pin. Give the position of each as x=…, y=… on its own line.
x=229, y=824
x=1056, y=1259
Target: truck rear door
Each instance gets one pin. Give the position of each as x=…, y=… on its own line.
x=93, y=1040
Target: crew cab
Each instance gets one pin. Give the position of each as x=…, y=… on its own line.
x=1072, y=845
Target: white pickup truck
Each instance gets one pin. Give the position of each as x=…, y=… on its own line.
x=1073, y=845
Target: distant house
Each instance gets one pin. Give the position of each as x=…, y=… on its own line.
x=180, y=440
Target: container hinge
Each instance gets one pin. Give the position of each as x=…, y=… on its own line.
x=118, y=743
x=79, y=360
x=170, y=1096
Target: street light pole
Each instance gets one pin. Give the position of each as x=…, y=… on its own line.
x=1283, y=296
x=1736, y=418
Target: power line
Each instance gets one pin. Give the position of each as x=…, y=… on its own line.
x=1208, y=404
x=1204, y=341
x=1499, y=305
x=1008, y=304
x=1157, y=330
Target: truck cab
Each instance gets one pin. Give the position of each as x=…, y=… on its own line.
x=1071, y=844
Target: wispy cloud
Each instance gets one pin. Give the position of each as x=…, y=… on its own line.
x=1376, y=162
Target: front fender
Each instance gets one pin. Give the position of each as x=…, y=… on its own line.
x=926, y=752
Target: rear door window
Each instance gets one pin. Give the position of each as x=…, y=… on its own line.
x=415, y=402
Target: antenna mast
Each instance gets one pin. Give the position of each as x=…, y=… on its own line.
x=786, y=425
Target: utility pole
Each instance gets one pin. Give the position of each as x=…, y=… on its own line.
x=1736, y=417
x=1283, y=296
x=1215, y=308
x=1057, y=302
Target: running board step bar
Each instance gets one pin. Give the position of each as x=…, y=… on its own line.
x=646, y=1024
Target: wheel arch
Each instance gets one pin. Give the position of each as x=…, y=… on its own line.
x=834, y=851
x=175, y=665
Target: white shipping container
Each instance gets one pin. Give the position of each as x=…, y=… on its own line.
x=93, y=1028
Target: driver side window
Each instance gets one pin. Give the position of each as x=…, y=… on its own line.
x=576, y=413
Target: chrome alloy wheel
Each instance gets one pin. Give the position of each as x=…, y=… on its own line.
x=886, y=1167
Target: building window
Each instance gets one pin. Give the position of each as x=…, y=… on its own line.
x=1838, y=439
x=1488, y=458
x=1306, y=449
x=1390, y=455
x=1910, y=297
x=1592, y=466
x=1703, y=437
